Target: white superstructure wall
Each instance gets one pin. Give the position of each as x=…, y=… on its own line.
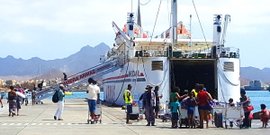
x=228, y=75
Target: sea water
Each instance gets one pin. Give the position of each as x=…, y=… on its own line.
x=81, y=95
x=259, y=97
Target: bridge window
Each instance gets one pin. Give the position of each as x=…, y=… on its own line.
x=157, y=65
x=229, y=66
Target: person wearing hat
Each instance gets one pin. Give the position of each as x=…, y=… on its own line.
x=149, y=100
x=60, y=103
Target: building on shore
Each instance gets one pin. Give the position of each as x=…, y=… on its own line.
x=254, y=85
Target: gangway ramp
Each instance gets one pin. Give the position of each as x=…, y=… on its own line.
x=80, y=77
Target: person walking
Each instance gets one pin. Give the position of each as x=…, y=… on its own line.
x=18, y=102
x=150, y=103
x=12, y=101
x=93, y=96
x=60, y=103
x=128, y=98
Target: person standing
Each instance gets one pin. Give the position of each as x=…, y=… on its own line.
x=12, y=101
x=93, y=95
x=156, y=90
x=60, y=103
x=196, y=89
x=190, y=104
x=245, y=102
x=2, y=96
x=203, y=99
x=174, y=106
x=128, y=98
x=264, y=115
x=150, y=103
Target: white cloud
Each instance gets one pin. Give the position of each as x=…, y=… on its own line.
x=28, y=21
x=15, y=37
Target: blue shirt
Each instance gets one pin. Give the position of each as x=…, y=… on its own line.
x=174, y=107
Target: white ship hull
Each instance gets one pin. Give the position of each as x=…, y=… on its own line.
x=184, y=73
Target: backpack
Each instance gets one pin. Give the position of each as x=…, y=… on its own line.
x=55, y=97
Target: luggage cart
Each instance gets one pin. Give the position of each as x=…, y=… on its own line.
x=183, y=117
x=234, y=116
x=165, y=113
x=98, y=114
x=135, y=112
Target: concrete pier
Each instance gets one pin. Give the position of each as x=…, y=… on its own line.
x=38, y=120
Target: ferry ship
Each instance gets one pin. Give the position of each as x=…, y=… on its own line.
x=171, y=59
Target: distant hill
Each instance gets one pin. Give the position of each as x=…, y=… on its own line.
x=35, y=67
x=253, y=73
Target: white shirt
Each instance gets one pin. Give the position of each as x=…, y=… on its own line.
x=93, y=90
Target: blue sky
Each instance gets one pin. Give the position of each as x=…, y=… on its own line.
x=52, y=29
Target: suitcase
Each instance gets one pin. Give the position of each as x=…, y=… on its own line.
x=134, y=116
x=218, y=120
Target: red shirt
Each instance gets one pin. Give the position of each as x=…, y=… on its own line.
x=202, y=98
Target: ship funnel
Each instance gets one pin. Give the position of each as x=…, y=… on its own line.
x=217, y=33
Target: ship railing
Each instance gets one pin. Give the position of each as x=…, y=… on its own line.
x=230, y=52
x=176, y=54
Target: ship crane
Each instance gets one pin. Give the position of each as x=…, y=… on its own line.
x=227, y=19
x=127, y=36
x=121, y=37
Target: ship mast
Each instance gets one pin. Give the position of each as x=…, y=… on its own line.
x=173, y=33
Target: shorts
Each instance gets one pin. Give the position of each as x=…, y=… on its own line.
x=129, y=108
x=92, y=105
x=175, y=116
x=204, y=107
x=190, y=110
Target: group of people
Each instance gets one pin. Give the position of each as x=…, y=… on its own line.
x=150, y=103
x=150, y=99
x=247, y=107
x=196, y=97
x=93, y=98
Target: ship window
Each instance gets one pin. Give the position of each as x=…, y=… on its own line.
x=157, y=65
x=229, y=66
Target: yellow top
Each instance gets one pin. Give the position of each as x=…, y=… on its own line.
x=195, y=93
x=128, y=97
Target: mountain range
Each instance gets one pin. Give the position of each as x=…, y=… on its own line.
x=87, y=57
